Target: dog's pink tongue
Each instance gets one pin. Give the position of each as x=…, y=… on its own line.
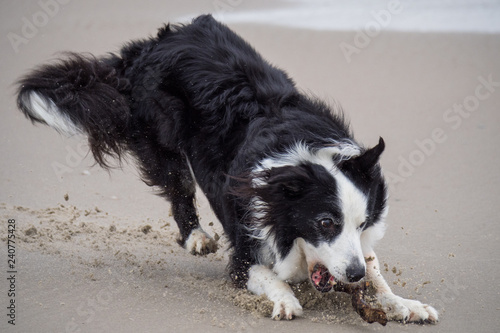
x=321, y=278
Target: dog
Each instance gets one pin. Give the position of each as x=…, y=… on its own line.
x=297, y=197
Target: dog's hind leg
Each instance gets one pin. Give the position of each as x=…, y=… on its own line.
x=170, y=172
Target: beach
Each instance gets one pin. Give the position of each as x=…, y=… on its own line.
x=96, y=250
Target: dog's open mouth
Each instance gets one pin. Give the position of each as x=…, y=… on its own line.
x=321, y=278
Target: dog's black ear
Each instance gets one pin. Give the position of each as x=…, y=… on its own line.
x=274, y=185
x=366, y=161
x=370, y=157
x=286, y=182
x=290, y=182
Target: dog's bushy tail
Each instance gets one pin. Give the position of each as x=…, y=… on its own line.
x=79, y=94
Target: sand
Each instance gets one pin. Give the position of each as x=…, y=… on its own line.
x=96, y=251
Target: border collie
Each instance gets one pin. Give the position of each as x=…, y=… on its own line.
x=298, y=198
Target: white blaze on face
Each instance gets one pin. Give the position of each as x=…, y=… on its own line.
x=354, y=203
x=345, y=249
x=354, y=210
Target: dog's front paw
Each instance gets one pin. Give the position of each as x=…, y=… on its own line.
x=287, y=308
x=200, y=243
x=407, y=310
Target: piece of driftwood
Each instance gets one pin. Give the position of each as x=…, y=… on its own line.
x=357, y=291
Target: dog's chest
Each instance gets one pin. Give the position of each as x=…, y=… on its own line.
x=293, y=267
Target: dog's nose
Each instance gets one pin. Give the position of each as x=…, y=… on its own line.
x=355, y=271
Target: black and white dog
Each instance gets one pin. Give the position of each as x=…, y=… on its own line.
x=297, y=197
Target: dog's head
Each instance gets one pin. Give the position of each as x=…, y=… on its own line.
x=321, y=204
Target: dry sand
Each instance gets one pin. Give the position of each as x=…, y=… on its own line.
x=96, y=251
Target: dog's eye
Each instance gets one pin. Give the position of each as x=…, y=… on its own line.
x=327, y=223
x=362, y=226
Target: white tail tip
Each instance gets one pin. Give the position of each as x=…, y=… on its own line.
x=45, y=110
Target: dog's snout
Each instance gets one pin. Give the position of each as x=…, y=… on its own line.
x=355, y=271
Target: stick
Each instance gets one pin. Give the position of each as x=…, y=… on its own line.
x=367, y=313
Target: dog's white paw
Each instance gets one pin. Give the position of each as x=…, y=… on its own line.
x=200, y=243
x=407, y=310
x=287, y=308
